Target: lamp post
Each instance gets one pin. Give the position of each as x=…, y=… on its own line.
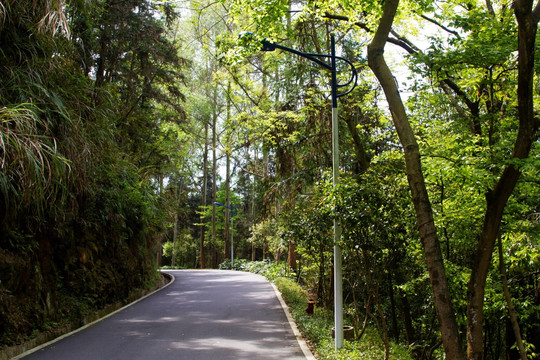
x=230, y=208
x=338, y=275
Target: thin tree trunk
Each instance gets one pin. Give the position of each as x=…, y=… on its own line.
x=227, y=247
x=384, y=327
x=253, y=249
x=359, y=147
x=214, y=178
x=407, y=318
x=395, y=328
x=175, y=240
x=511, y=310
x=424, y=214
x=291, y=258
x=202, y=254
x=277, y=254
x=161, y=235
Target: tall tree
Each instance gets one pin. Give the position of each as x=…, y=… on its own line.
x=202, y=252
x=424, y=214
x=497, y=198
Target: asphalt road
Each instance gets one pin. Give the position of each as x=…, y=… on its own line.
x=203, y=314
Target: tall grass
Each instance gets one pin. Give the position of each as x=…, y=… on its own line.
x=30, y=164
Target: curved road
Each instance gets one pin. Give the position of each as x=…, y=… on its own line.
x=203, y=314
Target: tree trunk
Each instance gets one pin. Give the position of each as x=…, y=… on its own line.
x=227, y=242
x=228, y=213
x=175, y=240
x=320, y=283
x=511, y=310
x=253, y=249
x=497, y=198
x=384, y=326
x=395, y=328
x=214, y=179
x=424, y=215
x=359, y=148
x=202, y=255
x=407, y=318
x=291, y=258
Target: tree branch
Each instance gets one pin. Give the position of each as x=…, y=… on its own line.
x=405, y=42
x=361, y=25
x=399, y=41
x=433, y=21
x=412, y=49
x=473, y=106
x=490, y=8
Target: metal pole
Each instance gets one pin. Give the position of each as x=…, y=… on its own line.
x=338, y=276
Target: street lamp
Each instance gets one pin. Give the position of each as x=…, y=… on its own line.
x=338, y=275
x=230, y=208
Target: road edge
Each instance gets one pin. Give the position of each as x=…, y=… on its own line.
x=39, y=347
x=299, y=338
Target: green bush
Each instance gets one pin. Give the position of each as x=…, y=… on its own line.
x=266, y=268
x=238, y=265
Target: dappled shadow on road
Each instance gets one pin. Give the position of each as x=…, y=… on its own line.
x=217, y=315
x=210, y=315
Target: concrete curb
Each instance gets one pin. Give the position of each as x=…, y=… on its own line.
x=37, y=348
x=301, y=342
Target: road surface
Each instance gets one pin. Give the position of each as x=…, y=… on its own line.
x=203, y=314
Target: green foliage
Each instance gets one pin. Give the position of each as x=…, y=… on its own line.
x=266, y=268
x=87, y=90
x=184, y=253
x=267, y=234
x=99, y=153
x=31, y=163
x=370, y=347
x=316, y=329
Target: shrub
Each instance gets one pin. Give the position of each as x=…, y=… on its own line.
x=266, y=268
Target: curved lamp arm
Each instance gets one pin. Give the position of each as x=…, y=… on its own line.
x=268, y=46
